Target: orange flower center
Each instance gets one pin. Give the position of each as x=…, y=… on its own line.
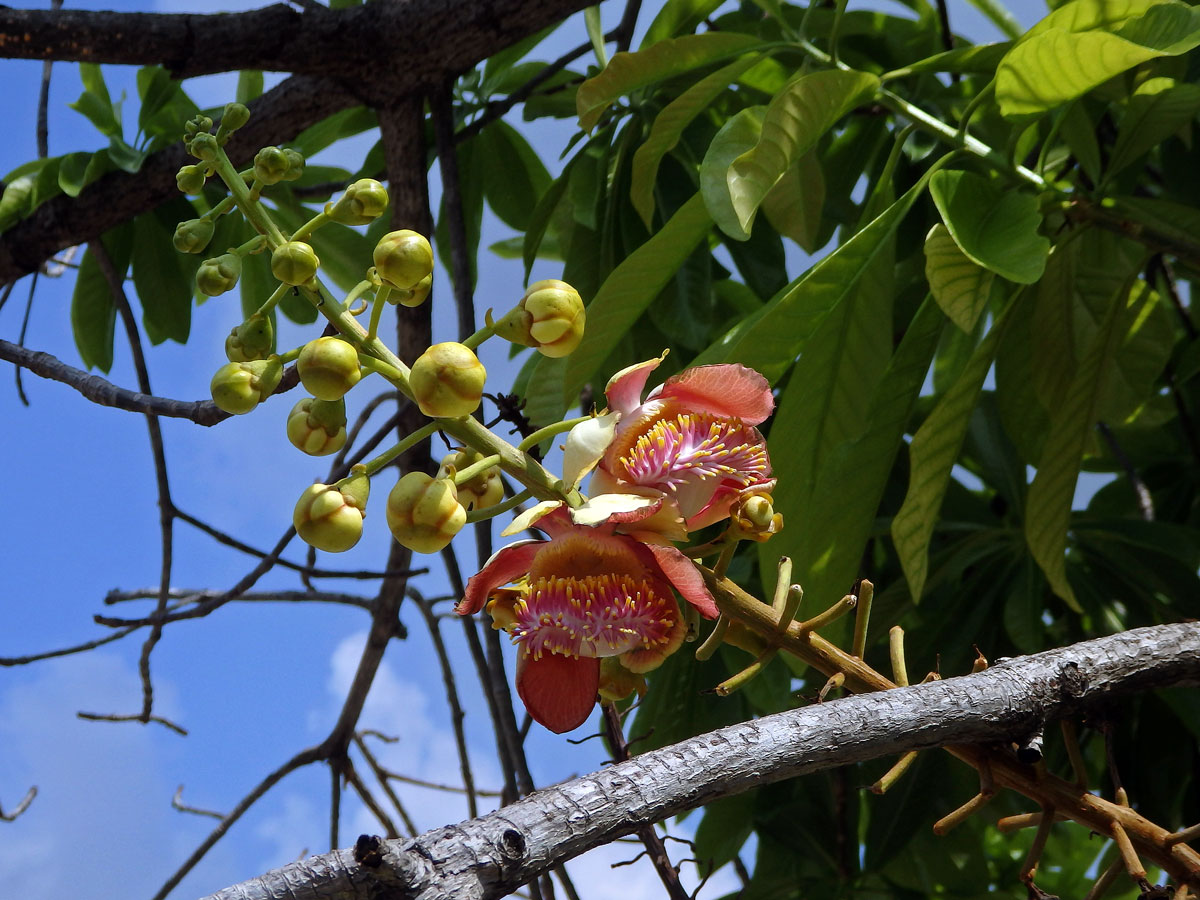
x=696, y=447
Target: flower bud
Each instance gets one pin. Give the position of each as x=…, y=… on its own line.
x=447, y=380
x=423, y=513
x=330, y=517
x=328, y=367
x=235, y=116
x=754, y=517
x=363, y=202
x=253, y=339
x=318, y=427
x=193, y=235
x=549, y=317
x=190, y=179
x=415, y=295
x=238, y=387
x=195, y=125
x=204, y=146
x=295, y=165
x=219, y=274
x=482, y=490
x=294, y=262
x=403, y=258
x=270, y=165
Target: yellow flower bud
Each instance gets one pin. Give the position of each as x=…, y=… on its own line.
x=479, y=492
x=219, y=274
x=238, y=387
x=193, y=235
x=328, y=367
x=549, y=317
x=190, y=179
x=270, y=165
x=363, y=202
x=294, y=263
x=754, y=517
x=253, y=339
x=423, y=513
x=415, y=295
x=447, y=380
x=318, y=427
x=330, y=517
x=403, y=258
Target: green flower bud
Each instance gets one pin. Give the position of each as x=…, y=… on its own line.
x=330, y=517
x=238, y=387
x=235, y=116
x=193, y=235
x=318, y=427
x=423, y=513
x=204, y=146
x=219, y=274
x=328, y=367
x=294, y=262
x=403, y=258
x=190, y=179
x=253, y=339
x=415, y=295
x=447, y=380
x=549, y=317
x=481, y=491
x=295, y=165
x=270, y=165
x=363, y=202
x=197, y=124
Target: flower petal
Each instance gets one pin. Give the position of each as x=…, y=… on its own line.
x=558, y=691
x=730, y=390
x=585, y=445
x=624, y=390
x=507, y=564
x=616, y=509
x=684, y=577
x=530, y=516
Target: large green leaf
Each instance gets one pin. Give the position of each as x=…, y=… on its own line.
x=162, y=277
x=994, y=226
x=977, y=59
x=678, y=17
x=769, y=340
x=999, y=15
x=959, y=286
x=1158, y=109
x=739, y=133
x=669, y=125
x=934, y=450
x=627, y=72
x=795, y=120
x=1048, y=511
x=514, y=179
x=1057, y=61
x=95, y=102
x=631, y=287
x=93, y=310
x=794, y=205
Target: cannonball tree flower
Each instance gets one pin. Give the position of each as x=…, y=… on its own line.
x=692, y=439
x=585, y=594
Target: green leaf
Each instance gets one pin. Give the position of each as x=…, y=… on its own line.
x=998, y=14
x=669, y=125
x=249, y=86
x=631, y=287
x=95, y=102
x=156, y=89
x=540, y=218
x=126, y=158
x=1080, y=135
x=1158, y=109
x=959, y=286
x=980, y=59
x=163, y=284
x=629, y=71
x=341, y=124
x=995, y=226
x=93, y=310
x=794, y=205
x=795, y=120
x=739, y=133
x=72, y=170
x=933, y=452
x=726, y=826
x=1055, y=64
x=595, y=33
x=770, y=340
x=678, y=17
x=514, y=178
x=1048, y=511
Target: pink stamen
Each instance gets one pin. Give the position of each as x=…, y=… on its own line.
x=694, y=447
x=596, y=616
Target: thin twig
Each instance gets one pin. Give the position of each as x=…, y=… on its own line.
x=139, y=717
x=177, y=803
x=382, y=776
x=1144, y=500
x=21, y=339
x=68, y=651
x=20, y=807
x=368, y=799
x=201, y=596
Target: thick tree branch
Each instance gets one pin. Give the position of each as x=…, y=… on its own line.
x=490, y=856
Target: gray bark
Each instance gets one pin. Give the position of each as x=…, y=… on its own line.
x=492, y=855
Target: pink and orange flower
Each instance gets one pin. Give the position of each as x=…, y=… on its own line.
x=585, y=594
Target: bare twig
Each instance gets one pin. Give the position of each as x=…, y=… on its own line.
x=368, y=799
x=382, y=776
x=202, y=596
x=1144, y=500
x=108, y=717
x=68, y=651
x=20, y=807
x=21, y=339
x=177, y=803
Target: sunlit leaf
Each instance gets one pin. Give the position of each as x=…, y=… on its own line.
x=795, y=120
x=976, y=59
x=95, y=102
x=999, y=16
x=678, y=17
x=1158, y=109
x=739, y=133
x=995, y=226
x=627, y=72
x=959, y=286
x=794, y=205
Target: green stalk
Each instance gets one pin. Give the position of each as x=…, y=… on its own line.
x=374, y=465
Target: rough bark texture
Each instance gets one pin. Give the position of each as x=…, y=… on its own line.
x=490, y=856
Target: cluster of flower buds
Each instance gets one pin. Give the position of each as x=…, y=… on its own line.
x=273, y=165
x=482, y=490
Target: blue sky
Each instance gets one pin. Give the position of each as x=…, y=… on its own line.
x=253, y=683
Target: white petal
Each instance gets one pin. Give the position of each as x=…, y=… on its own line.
x=585, y=446
x=527, y=518
x=602, y=507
